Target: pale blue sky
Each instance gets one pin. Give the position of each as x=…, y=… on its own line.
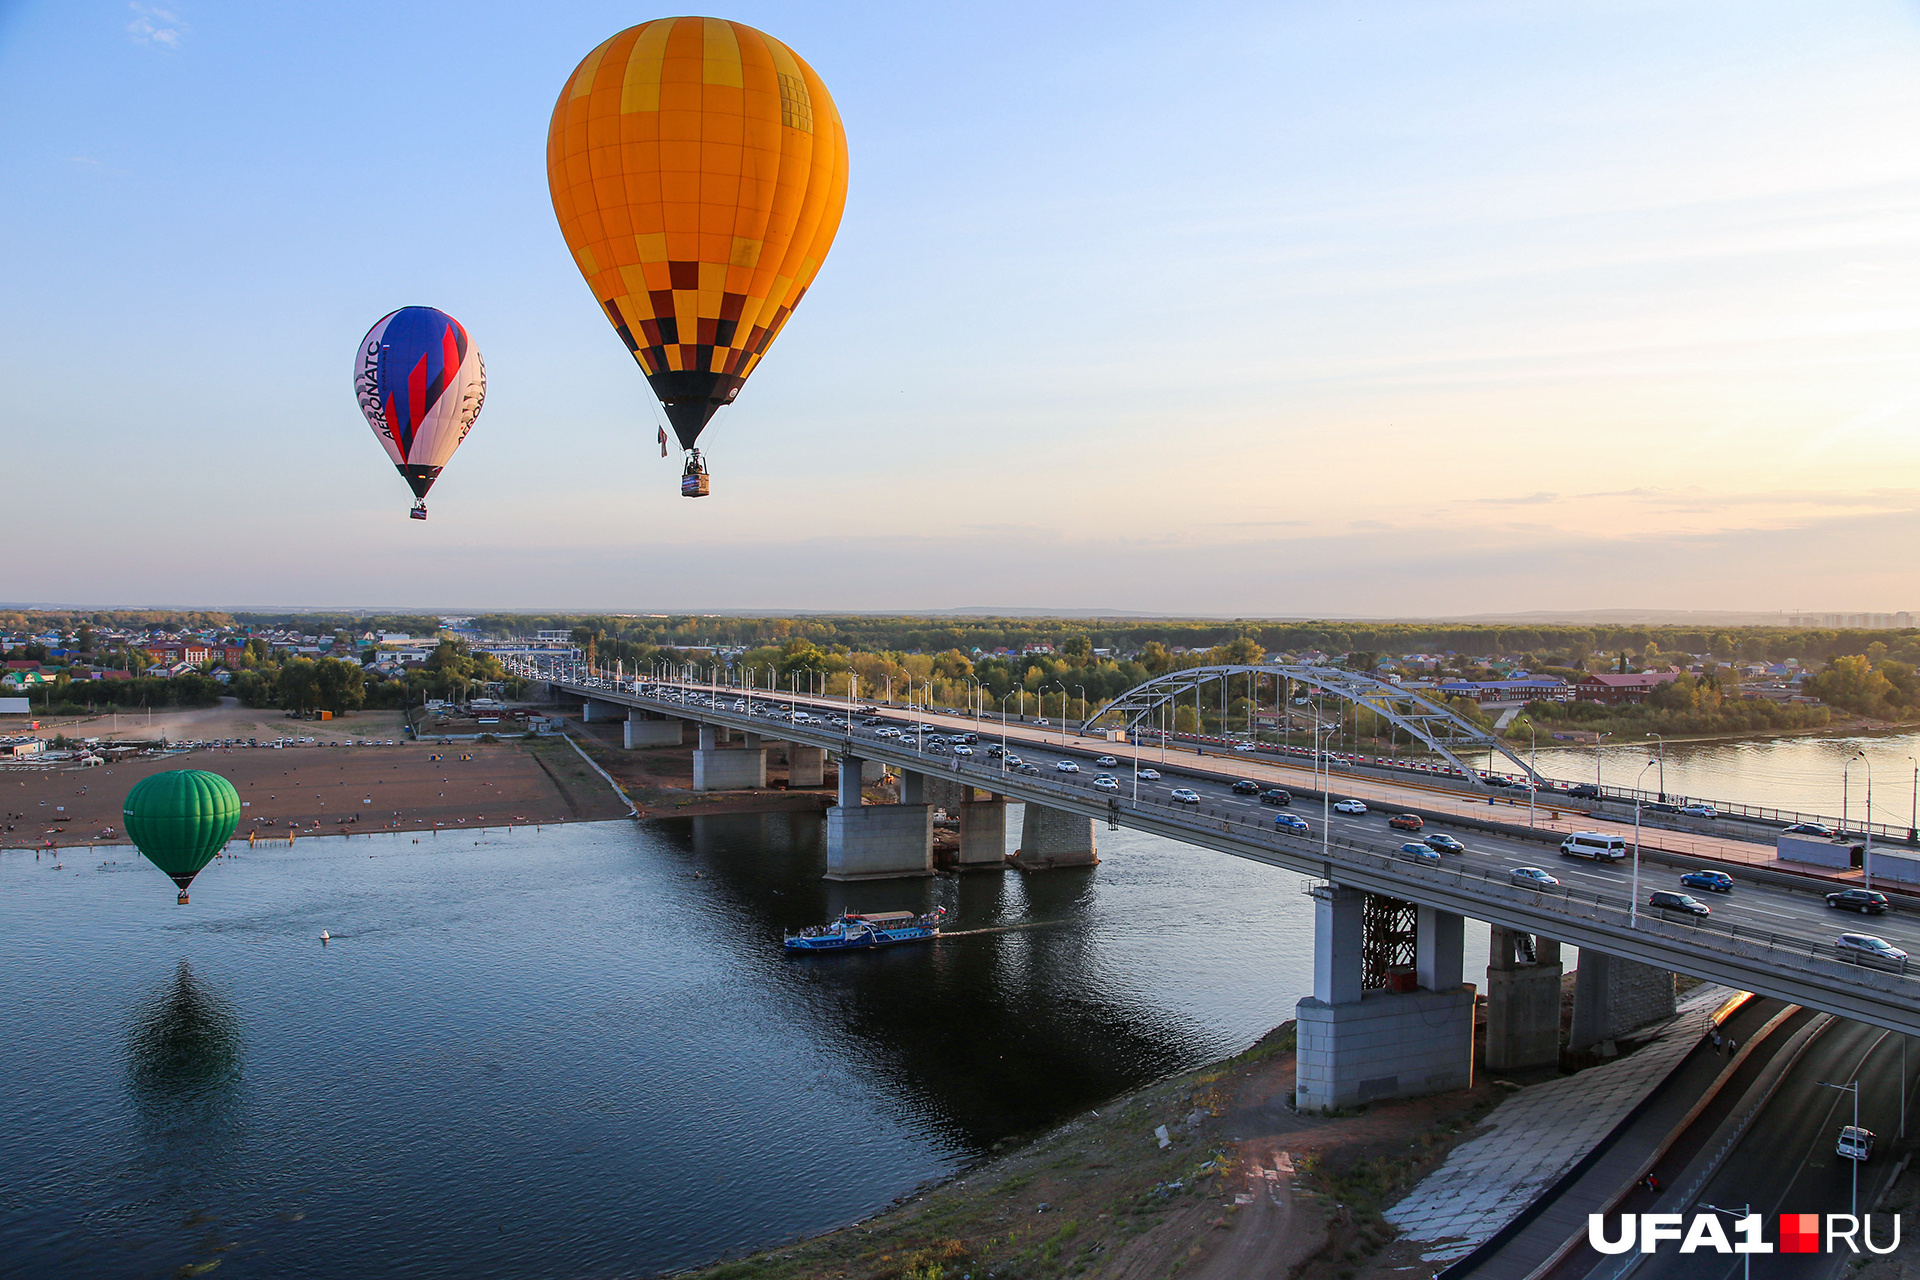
x=1283, y=308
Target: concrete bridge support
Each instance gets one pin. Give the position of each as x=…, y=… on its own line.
x=876, y=841
x=644, y=732
x=913, y=787
x=1523, y=1001
x=1355, y=1044
x=945, y=794
x=729, y=769
x=1054, y=838
x=806, y=766
x=1612, y=996
x=983, y=835
x=591, y=710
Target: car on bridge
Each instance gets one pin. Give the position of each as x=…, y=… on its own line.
x=1699, y=811
x=1405, y=822
x=1811, y=829
x=1668, y=900
x=1032, y=770
x=1245, y=747
x=1151, y=775
x=1066, y=766
x=1715, y=881
x=1868, y=902
x=1444, y=843
x=1349, y=806
x=1246, y=787
x=1420, y=853
x=1184, y=795
x=1864, y=948
x=1106, y=782
x=962, y=749
x=1107, y=762
x=1533, y=878
x=1290, y=822
x=1584, y=791
x=1276, y=795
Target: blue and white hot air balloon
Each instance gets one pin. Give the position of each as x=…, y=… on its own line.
x=421, y=383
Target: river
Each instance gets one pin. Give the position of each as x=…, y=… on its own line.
x=1807, y=773
x=578, y=1051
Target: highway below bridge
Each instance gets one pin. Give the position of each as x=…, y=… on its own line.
x=1773, y=934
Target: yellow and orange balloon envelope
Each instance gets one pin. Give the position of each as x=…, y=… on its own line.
x=698, y=168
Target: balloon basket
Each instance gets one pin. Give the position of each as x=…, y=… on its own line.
x=419, y=511
x=693, y=480
x=183, y=897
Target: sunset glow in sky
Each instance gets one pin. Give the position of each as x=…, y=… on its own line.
x=1433, y=307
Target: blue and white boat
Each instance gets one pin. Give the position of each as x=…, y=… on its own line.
x=868, y=929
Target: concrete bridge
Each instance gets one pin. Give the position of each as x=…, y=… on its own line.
x=1391, y=1013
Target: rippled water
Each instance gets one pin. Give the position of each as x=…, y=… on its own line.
x=1807, y=774
x=574, y=1052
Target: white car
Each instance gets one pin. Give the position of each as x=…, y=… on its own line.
x=1532, y=877
x=888, y=732
x=1105, y=784
x=1246, y=746
x=963, y=750
x=1067, y=766
x=1349, y=806
x=1184, y=795
x=1107, y=762
x=1151, y=775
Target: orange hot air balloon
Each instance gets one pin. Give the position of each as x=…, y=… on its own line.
x=698, y=168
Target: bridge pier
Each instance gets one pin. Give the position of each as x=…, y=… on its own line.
x=1357, y=1044
x=1612, y=996
x=641, y=731
x=876, y=841
x=1054, y=838
x=806, y=766
x=1523, y=1001
x=983, y=835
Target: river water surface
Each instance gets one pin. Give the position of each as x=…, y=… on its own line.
x=572, y=1052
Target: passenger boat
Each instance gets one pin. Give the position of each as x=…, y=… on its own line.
x=868, y=929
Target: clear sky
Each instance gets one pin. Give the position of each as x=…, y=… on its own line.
x=1243, y=309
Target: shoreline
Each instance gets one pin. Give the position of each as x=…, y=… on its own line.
x=1242, y=1186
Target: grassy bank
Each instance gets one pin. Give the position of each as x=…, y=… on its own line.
x=1100, y=1197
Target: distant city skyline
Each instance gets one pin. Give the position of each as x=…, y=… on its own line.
x=1303, y=310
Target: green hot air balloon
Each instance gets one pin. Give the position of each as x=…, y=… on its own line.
x=180, y=819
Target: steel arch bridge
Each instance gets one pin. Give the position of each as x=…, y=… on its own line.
x=1439, y=728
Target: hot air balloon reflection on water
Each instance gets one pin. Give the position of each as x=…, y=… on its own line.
x=180, y=819
x=698, y=169
x=420, y=382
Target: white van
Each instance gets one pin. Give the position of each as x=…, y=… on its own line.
x=1595, y=845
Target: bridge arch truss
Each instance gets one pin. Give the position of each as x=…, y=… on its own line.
x=1436, y=726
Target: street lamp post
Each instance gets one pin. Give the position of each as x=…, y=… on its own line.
x=1866, y=856
x=1633, y=904
x=1083, y=713
x=1533, y=781
x=1742, y=1217
x=1913, y=814
x=1597, y=739
x=1854, y=1089
x=1663, y=765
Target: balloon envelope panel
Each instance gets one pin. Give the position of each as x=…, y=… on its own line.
x=698, y=168
x=420, y=382
x=180, y=819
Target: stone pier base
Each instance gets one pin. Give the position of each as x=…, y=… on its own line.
x=651, y=733
x=983, y=836
x=1387, y=1044
x=1054, y=838
x=806, y=766
x=733, y=769
x=1523, y=1002
x=1612, y=996
x=879, y=842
